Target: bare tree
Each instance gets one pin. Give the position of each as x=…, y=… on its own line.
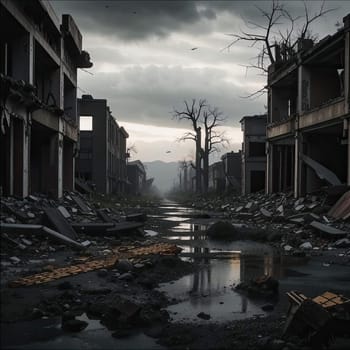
x=208, y=118
x=193, y=113
x=272, y=42
x=212, y=118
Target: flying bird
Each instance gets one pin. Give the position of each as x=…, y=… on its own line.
x=194, y=48
x=168, y=152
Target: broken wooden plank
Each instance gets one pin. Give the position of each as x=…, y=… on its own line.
x=328, y=230
x=58, y=221
x=25, y=228
x=125, y=253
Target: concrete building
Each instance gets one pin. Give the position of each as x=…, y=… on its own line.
x=232, y=165
x=216, y=177
x=102, y=154
x=136, y=177
x=39, y=57
x=308, y=128
x=253, y=153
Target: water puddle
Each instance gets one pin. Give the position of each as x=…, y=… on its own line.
x=94, y=336
x=174, y=218
x=210, y=290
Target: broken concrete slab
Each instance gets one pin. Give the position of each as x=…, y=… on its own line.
x=139, y=217
x=58, y=221
x=64, y=211
x=82, y=206
x=35, y=229
x=265, y=212
x=93, y=227
x=328, y=230
x=321, y=171
x=104, y=216
x=123, y=227
x=20, y=215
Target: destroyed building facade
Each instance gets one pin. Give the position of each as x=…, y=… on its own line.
x=136, y=177
x=102, y=155
x=308, y=128
x=253, y=153
x=232, y=163
x=39, y=57
x=216, y=177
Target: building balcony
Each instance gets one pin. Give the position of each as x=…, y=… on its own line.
x=281, y=128
x=331, y=110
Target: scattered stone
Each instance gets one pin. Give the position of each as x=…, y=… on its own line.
x=15, y=260
x=306, y=246
x=342, y=243
x=222, y=230
x=26, y=241
x=288, y=248
x=265, y=212
x=139, y=266
x=74, y=325
x=124, y=265
x=204, y=316
x=126, y=277
x=86, y=243
x=10, y=220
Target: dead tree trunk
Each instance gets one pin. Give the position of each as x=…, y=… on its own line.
x=198, y=161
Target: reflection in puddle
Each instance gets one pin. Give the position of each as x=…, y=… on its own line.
x=210, y=290
x=174, y=218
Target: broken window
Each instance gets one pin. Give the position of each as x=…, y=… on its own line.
x=86, y=123
x=256, y=149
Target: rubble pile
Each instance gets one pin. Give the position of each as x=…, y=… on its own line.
x=294, y=225
x=36, y=229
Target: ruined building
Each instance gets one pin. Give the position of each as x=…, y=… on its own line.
x=102, y=154
x=232, y=165
x=253, y=153
x=39, y=57
x=308, y=128
x=136, y=177
x=216, y=177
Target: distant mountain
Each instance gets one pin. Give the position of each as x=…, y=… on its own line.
x=164, y=173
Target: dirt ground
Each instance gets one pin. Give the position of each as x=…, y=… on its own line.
x=133, y=304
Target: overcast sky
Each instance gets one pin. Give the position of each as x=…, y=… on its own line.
x=145, y=67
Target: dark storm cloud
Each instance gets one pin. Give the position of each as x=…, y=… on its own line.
x=148, y=95
x=134, y=20
x=138, y=20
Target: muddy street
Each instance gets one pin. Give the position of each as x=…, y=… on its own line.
x=191, y=299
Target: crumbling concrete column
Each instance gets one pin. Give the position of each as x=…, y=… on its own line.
x=268, y=178
x=298, y=178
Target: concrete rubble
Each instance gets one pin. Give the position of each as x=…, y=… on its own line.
x=294, y=225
